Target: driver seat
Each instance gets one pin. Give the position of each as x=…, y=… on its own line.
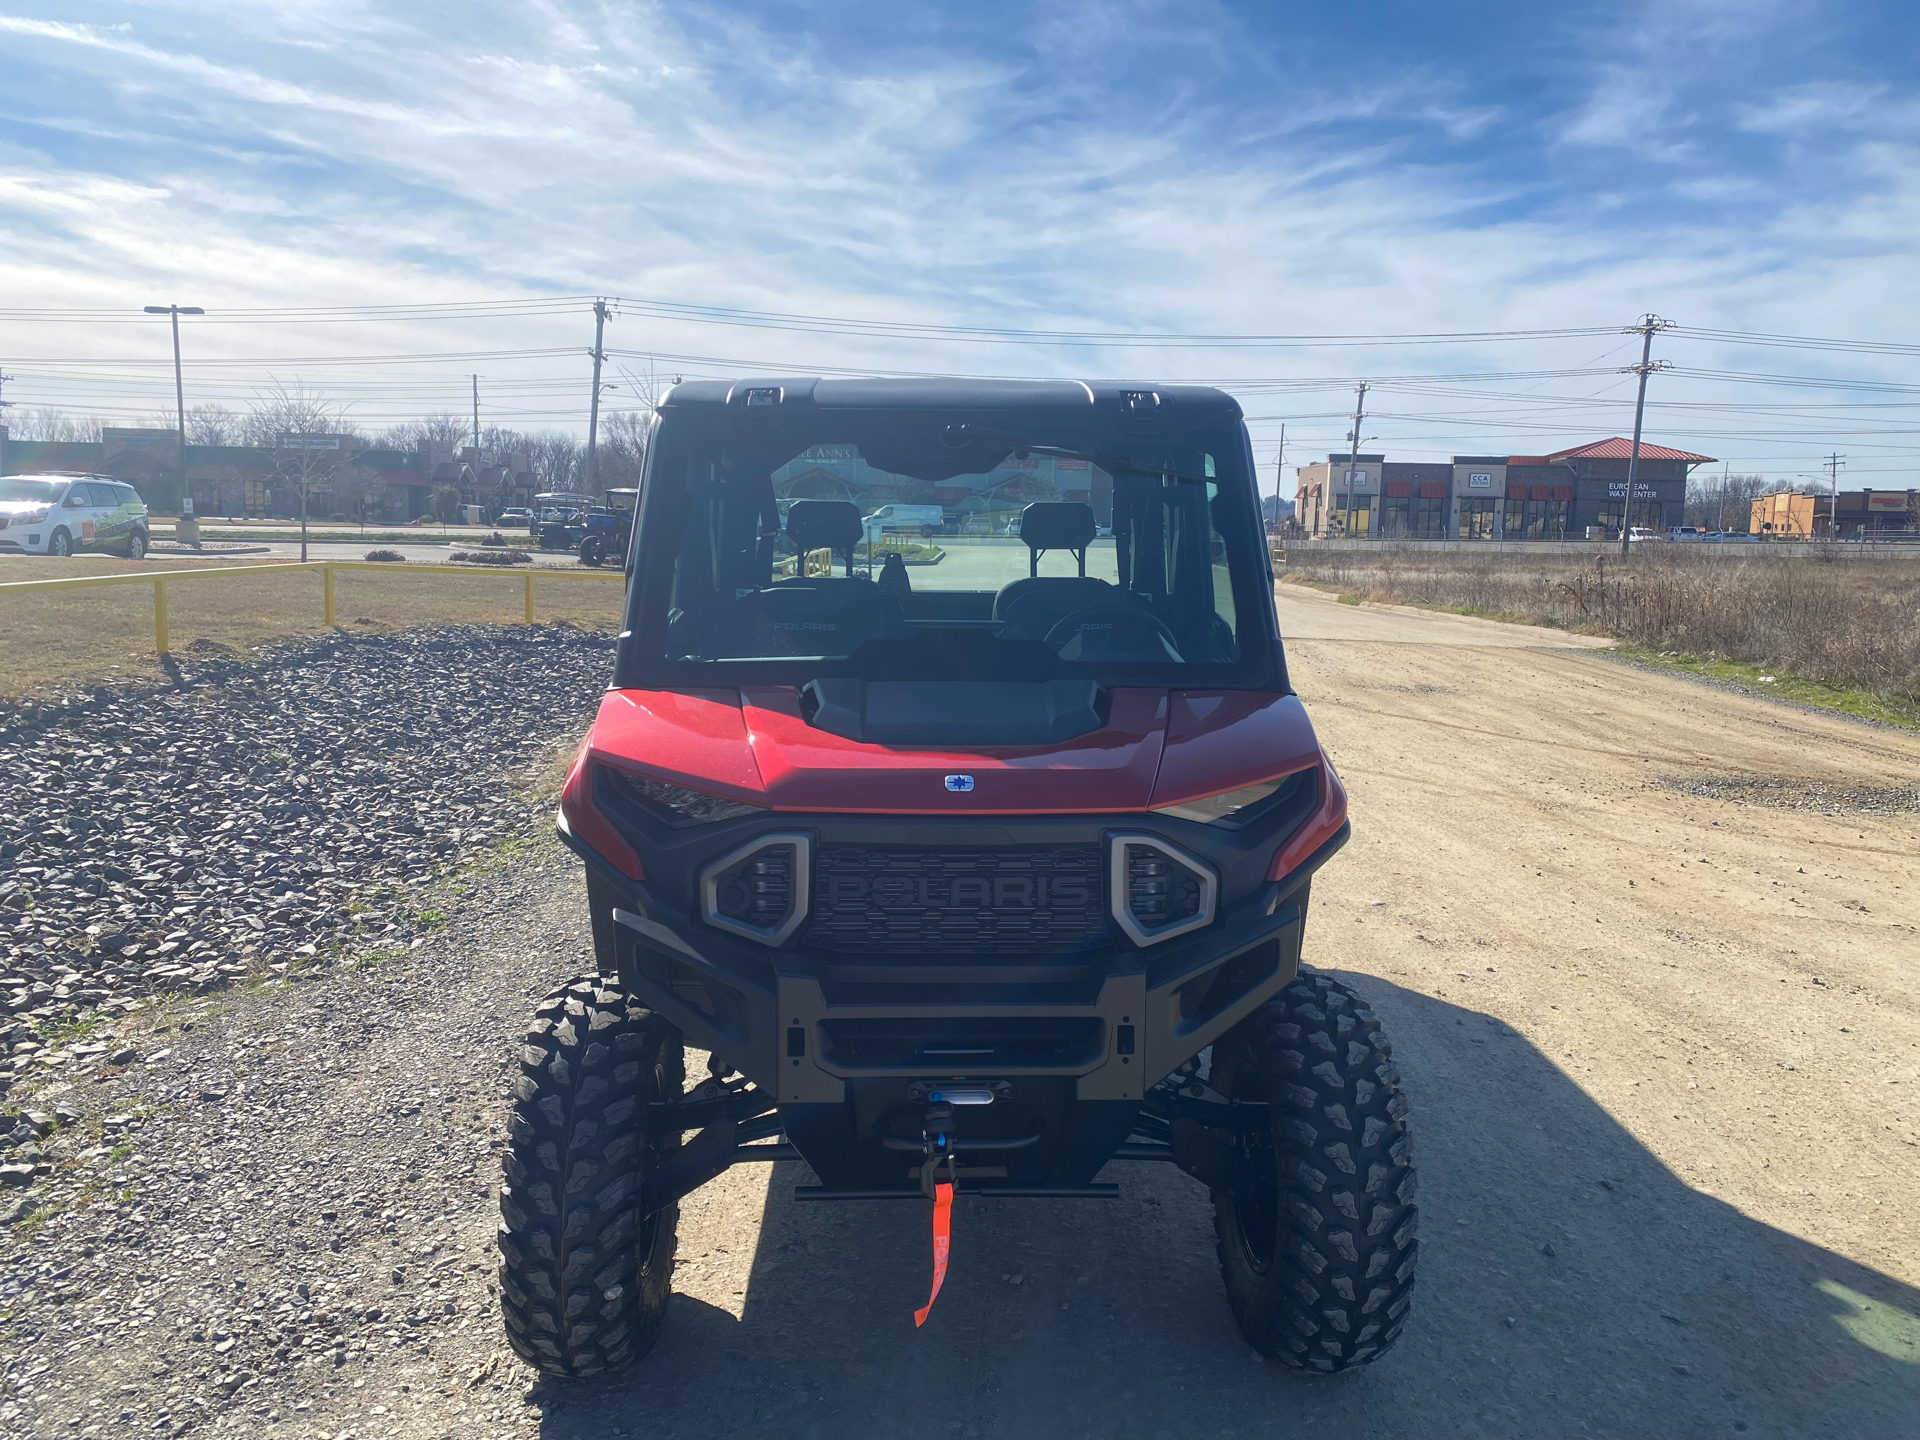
x=1033, y=606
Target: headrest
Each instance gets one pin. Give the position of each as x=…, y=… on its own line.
x=1057, y=525
x=824, y=525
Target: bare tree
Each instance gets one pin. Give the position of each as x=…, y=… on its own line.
x=308, y=436
x=358, y=485
x=56, y=425
x=440, y=429
x=1724, y=501
x=556, y=458
x=213, y=425
x=623, y=447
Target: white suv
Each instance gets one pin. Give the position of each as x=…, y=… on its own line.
x=64, y=514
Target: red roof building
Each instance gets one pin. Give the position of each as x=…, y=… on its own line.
x=1616, y=449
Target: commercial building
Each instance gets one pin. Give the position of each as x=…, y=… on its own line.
x=1574, y=494
x=1790, y=516
x=1862, y=513
x=1878, y=512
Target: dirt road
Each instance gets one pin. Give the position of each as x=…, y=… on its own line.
x=1647, y=950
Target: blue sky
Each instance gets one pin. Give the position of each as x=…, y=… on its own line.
x=1189, y=167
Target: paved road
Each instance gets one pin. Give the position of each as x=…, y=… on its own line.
x=424, y=553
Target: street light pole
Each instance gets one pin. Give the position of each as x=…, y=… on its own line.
x=179, y=389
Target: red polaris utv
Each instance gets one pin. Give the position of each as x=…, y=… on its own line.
x=975, y=862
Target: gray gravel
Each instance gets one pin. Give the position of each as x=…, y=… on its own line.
x=262, y=816
x=279, y=1219
x=1787, y=792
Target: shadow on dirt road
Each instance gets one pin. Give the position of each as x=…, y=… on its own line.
x=1570, y=1285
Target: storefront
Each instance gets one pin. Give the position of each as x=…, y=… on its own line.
x=1569, y=495
x=1414, y=503
x=1479, y=491
x=1598, y=473
x=1879, y=512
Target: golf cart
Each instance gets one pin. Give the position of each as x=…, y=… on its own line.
x=559, y=519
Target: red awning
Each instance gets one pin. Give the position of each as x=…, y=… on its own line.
x=1516, y=492
x=1539, y=492
x=1563, y=492
x=1433, y=490
x=1399, y=488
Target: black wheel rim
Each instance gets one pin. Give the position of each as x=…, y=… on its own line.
x=659, y=1146
x=1256, y=1199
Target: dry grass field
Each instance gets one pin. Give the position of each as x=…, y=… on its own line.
x=1840, y=622
x=57, y=639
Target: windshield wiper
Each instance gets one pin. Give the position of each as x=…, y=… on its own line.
x=958, y=435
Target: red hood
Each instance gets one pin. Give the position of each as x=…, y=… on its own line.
x=753, y=745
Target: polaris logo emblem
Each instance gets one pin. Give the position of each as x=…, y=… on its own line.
x=959, y=782
x=1003, y=893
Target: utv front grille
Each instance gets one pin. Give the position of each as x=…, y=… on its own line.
x=1033, y=900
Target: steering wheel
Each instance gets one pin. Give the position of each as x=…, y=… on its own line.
x=1113, y=632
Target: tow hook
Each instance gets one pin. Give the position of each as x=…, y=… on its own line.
x=936, y=1144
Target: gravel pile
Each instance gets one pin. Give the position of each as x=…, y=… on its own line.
x=279, y=1218
x=264, y=814
x=1789, y=793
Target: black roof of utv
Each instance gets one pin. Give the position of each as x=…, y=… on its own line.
x=955, y=394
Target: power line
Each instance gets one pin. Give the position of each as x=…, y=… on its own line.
x=540, y=305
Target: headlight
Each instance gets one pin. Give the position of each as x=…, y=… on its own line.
x=30, y=517
x=1233, y=807
x=1158, y=891
x=673, y=804
x=760, y=890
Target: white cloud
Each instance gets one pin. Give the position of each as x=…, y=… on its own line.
x=319, y=156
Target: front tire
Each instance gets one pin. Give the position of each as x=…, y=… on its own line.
x=584, y=1276
x=60, y=543
x=1317, y=1241
x=593, y=550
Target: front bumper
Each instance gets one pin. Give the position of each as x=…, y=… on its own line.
x=812, y=1027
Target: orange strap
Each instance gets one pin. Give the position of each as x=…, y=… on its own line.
x=942, y=1242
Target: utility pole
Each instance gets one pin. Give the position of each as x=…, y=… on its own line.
x=4, y=404
x=601, y=314
x=1833, y=463
x=1649, y=324
x=179, y=390
x=1353, y=453
x=476, y=413
x=1280, y=473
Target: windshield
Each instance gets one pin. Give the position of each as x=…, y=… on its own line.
x=15, y=487
x=904, y=544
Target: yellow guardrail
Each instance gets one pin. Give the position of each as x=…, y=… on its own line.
x=160, y=579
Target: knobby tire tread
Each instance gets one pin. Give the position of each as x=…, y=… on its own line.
x=584, y=1276
x=1337, y=1278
